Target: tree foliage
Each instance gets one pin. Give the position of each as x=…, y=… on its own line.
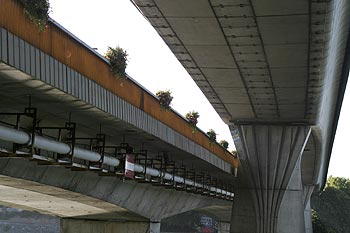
x=37, y=11
x=331, y=208
x=118, y=59
x=339, y=183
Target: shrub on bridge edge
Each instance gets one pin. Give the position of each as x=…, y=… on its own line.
x=234, y=154
x=37, y=11
x=212, y=135
x=224, y=144
x=192, y=118
x=118, y=59
x=164, y=98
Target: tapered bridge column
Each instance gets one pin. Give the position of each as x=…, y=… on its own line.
x=270, y=178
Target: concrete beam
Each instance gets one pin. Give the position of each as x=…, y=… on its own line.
x=151, y=202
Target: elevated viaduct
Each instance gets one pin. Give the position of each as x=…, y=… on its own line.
x=276, y=72
x=96, y=151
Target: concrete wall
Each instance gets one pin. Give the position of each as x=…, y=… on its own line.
x=88, y=226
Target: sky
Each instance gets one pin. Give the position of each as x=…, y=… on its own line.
x=114, y=23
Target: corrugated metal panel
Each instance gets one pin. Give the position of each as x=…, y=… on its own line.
x=15, y=51
x=133, y=115
x=22, y=56
x=37, y=64
x=120, y=108
x=10, y=48
x=75, y=84
x=56, y=79
x=42, y=66
x=104, y=100
x=27, y=57
x=107, y=101
x=86, y=90
x=99, y=97
x=32, y=60
x=129, y=110
x=60, y=76
x=94, y=93
x=1, y=43
x=110, y=105
x=69, y=77
x=78, y=86
x=113, y=105
x=125, y=115
x=47, y=69
x=64, y=78
x=4, y=48
x=89, y=93
x=139, y=117
x=71, y=81
x=51, y=79
x=154, y=128
x=191, y=146
x=146, y=124
x=177, y=139
x=171, y=138
x=82, y=87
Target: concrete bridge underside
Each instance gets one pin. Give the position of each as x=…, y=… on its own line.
x=85, y=195
x=275, y=71
x=33, y=76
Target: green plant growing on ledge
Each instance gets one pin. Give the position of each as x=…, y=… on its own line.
x=224, y=144
x=37, y=11
x=192, y=118
x=118, y=59
x=165, y=99
x=234, y=154
x=212, y=135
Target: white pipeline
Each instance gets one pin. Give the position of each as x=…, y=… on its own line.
x=20, y=137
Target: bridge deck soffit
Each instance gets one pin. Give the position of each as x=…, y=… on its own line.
x=266, y=59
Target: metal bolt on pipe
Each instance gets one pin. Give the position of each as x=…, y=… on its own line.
x=20, y=137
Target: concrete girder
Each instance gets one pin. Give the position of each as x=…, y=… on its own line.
x=149, y=201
